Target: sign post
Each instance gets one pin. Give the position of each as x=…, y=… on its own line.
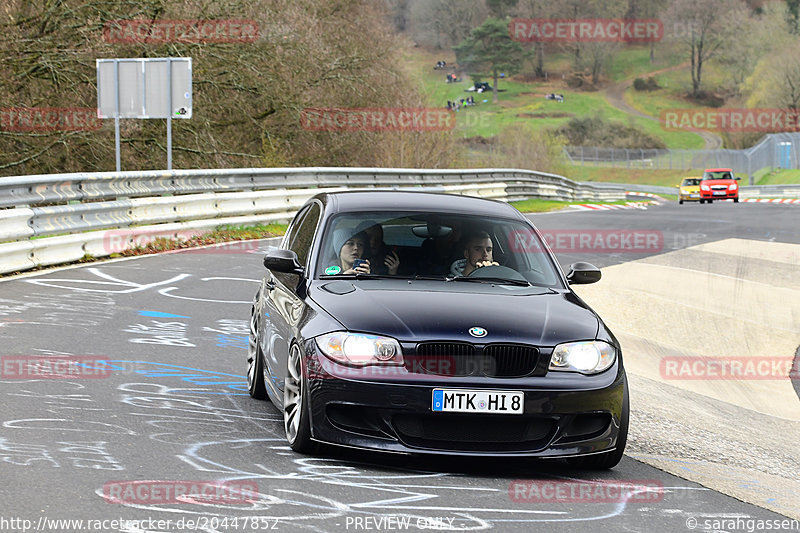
x=144, y=88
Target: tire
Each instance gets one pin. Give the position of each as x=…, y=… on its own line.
x=255, y=363
x=702, y=201
x=296, y=419
x=710, y=201
x=680, y=202
x=607, y=460
x=736, y=200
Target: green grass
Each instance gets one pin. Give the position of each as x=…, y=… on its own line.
x=775, y=176
x=541, y=205
x=634, y=61
x=664, y=178
x=219, y=235
x=524, y=102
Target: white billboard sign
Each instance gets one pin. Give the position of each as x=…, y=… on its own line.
x=144, y=88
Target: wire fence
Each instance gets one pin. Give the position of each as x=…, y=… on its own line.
x=776, y=150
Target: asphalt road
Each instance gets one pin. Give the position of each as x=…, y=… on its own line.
x=173, y=409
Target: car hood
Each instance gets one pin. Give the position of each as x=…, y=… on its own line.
x=439, y=310
x=690, y=188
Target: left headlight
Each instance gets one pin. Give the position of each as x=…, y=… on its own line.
x=360, y=349
x=586, y=357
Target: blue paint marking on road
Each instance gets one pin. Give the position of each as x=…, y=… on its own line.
x=195, y=376
x=233, y=341
x=158, y=314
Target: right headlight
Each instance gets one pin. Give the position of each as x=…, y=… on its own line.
x=360, y=349
x=586, y=357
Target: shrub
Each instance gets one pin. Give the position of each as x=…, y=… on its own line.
x=596, y=131
x=650, y=84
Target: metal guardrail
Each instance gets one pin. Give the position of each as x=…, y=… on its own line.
x=80, y=187
x=96, y=213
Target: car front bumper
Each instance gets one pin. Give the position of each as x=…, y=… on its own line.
x=564, y=416
x=727, y=195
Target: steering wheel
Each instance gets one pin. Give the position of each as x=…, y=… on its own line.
x=496, y=272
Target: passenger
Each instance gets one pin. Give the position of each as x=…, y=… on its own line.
x=477, y=253
x=348, y=247
x=386, y=261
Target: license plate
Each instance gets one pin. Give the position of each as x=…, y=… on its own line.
x=478, y=401
x=694, y=196
x=720, y=193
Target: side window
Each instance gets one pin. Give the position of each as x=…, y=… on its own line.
x=304, y=234
x=291, y=232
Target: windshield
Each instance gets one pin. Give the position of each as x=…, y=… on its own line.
x=438, y=246
x=691, y=181
x=718, y=175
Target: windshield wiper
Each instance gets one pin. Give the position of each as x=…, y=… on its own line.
x=362, y=276
x=505, y=281
x=434, y=278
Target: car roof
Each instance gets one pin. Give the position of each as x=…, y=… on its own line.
x=393, y=200
x=718, y=170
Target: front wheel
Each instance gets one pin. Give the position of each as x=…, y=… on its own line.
x=255, y=363
x=736, y=200
x=680, y=202
x=296, y=421
x=604, y=461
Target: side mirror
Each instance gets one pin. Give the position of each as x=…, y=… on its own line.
x=583, y=273
x=282, y=260
x=737, y=178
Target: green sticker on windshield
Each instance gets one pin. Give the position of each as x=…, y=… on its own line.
x=332, y=270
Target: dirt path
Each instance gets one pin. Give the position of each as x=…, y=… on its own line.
x=615, y=94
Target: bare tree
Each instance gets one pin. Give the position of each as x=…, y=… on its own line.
x=444, y=23
x=756, y=35
x=701, y=26
x=646, y=9
x=775, y=82
x=248, y=95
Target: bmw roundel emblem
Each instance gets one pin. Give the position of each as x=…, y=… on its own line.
x=477, y=332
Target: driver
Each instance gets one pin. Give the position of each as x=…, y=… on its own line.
x=477, y=254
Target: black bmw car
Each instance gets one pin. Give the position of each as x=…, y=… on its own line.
x=425, y=323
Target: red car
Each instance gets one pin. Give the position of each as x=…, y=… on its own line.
x=719, y=184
